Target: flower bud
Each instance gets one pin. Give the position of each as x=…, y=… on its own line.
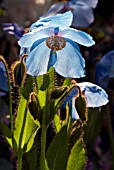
x=80, y=104
x=58, y=92
x=18, y=73
x=33, y=106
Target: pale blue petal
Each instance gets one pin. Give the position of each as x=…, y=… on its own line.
x=70, y=99
x=82, y=15
x=38, y=60
x=36, y=43
x=24, y=51
x=70, y=62
x=60, y=20
x=52, y=60
x=95, y=95
x=80, y=37
x=28, y=39
x=72, y=109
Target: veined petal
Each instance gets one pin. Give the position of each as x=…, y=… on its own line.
x=95, y=95
x=79, y=37
x=70, y=62
x=28, y=39
x=38, y=60
x=72, y=109
x=60, y=20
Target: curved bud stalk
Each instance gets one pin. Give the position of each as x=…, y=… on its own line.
x=19, y=72
x=75, y=133
x=58, y=92
x=80, y=104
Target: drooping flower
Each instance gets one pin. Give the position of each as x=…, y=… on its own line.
x=3, y=80
x=95, y=97
x=82, y=10
x=58, y=48
x=104, y=69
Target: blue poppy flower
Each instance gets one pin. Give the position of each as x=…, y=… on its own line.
x=3, y=80
x=104, y=69
x=82, y=10
x=95, y=97
x=58, y=48
x=61, y=20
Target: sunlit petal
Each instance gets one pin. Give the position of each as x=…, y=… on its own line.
x=95, y=95
x=70, y=62
x=78, y=36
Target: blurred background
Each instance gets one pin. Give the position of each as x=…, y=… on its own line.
x=24, y=13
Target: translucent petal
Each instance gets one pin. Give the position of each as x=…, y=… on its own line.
x=28, y=39
x=95, y=95
x=73, y=112
x=59, y=20
x=78, y=36
x=70, y=62
x=38, y=60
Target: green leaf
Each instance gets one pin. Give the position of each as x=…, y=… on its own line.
x=93, y=126
x=24, y=126
x=57, y=123
x=42, y=98
x=28, y=88
x=5, y=130
x=67, y=82
x=56, y=155
x=77, y=158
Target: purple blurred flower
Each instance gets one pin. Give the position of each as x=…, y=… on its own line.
x=82, y=10
x=104, y=69
x=13, y=29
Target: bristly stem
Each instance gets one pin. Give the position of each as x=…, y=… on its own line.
x=9, y=88
x=43, y=136
x=19, y=167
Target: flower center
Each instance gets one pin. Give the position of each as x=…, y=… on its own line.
x=56, y=43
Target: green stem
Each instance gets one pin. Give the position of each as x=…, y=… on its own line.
x=19, y=167
x=43, y=135
x=43, y=147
